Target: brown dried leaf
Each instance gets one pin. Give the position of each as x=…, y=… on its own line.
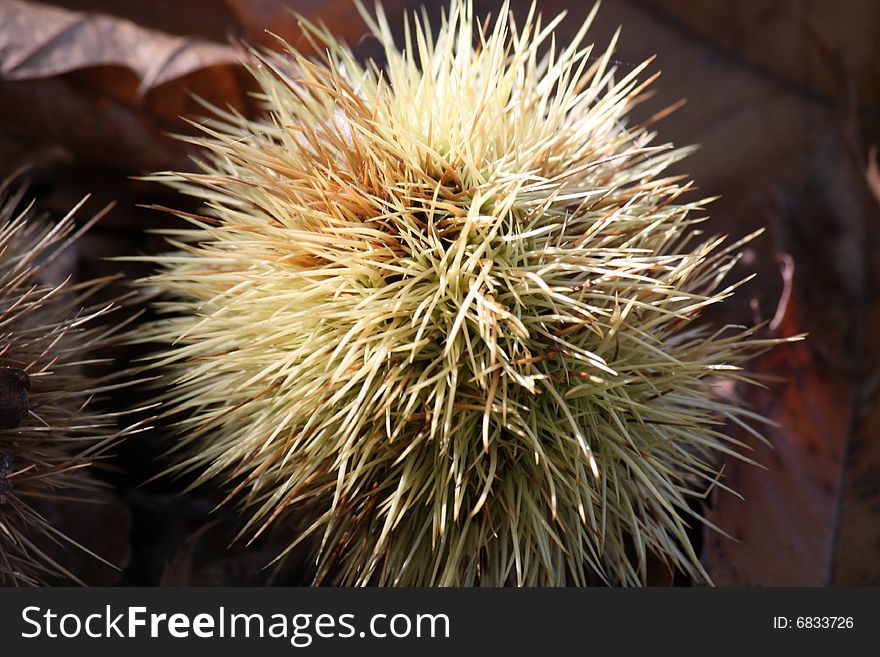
x=103, y=88
x=784, y=528
x=857, y=553
x=250, y=20
x=40, y=41
x=205, y=19
x=813, y=518
x=768, y=36
x=108, y=90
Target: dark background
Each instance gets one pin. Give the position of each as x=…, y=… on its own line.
x=782, y=96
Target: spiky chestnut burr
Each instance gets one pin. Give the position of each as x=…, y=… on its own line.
x=51, y=429
x=454, y=304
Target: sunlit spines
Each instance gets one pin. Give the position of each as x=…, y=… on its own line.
x=455, y=303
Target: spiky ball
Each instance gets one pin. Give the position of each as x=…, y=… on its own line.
x=51, y=429
x=450, y=303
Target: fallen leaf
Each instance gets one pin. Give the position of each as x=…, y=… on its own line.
x=768, y=37
x=784, y=527
x=110, y=90
x=250, y=20
x=40, y=41
x=104, y=88
x=813, y=517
